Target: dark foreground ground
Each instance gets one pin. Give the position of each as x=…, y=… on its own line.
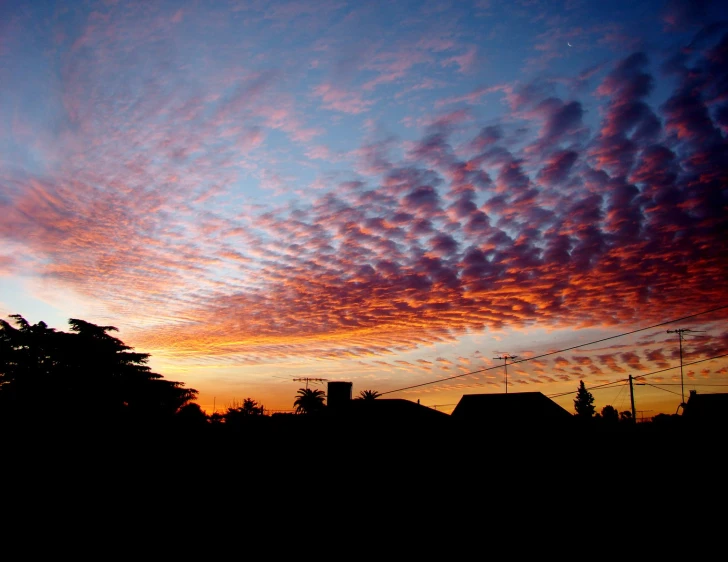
x=338, y=485
x=326, y=450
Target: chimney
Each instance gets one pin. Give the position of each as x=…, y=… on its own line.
x=338, y=394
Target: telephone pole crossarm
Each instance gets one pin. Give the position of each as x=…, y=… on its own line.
x=505, y=358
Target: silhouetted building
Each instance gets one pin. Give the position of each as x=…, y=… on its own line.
x=338, y=394
x=395, y=410
x=511, y=410
x=707, y=409
x=390, y=421
x=380, y=412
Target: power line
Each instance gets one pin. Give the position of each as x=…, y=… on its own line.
x=559, y=351
x=436, y=406
x=658, y=388
x=686, y=364
x=612, y=384
x=642, y=376
x=621, y=335
x=693, y=385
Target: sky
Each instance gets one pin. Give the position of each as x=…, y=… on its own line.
x=426, y=199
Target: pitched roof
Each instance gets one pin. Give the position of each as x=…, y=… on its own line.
x=511, y=408
x=393, y=408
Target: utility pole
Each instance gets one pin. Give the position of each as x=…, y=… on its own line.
x=505, y=358
x=308, y=379
x=631, y=398
x=680, y=332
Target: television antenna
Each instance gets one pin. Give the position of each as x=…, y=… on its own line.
x=308, y=380
x=680, y=335
x=505, y=357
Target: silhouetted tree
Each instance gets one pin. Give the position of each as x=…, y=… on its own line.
x=626, y=416
x=33, y=362
x=252, y=407
x=666, y=421
x=27, y=353
x=192, y=416
x=368, y=395
x=86, y=372
x=309, y=401
x=584, y=402
x=610, y=414
x=249, y=408
x=237, y=415
x=104, y=363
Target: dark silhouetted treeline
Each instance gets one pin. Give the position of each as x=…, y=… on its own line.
x=86, y=388
x=85, y=377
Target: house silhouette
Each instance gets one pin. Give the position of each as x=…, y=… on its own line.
x=707, y=410
x=514, y=409
x=389, y=410
x=394, y=410
x=474, y=412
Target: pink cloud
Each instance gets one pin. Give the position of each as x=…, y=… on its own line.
x=340, y=100
x=474, y=96
x=392, y=66
x=465, y=62
x=412, y=243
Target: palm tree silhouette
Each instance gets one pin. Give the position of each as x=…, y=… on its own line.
x=368, y=395
x=309, y=400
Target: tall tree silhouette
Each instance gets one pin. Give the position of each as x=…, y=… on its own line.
x=86, y=372
x=31, y=359
x=309, y=401
x=106, y=364
x=584, y=402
